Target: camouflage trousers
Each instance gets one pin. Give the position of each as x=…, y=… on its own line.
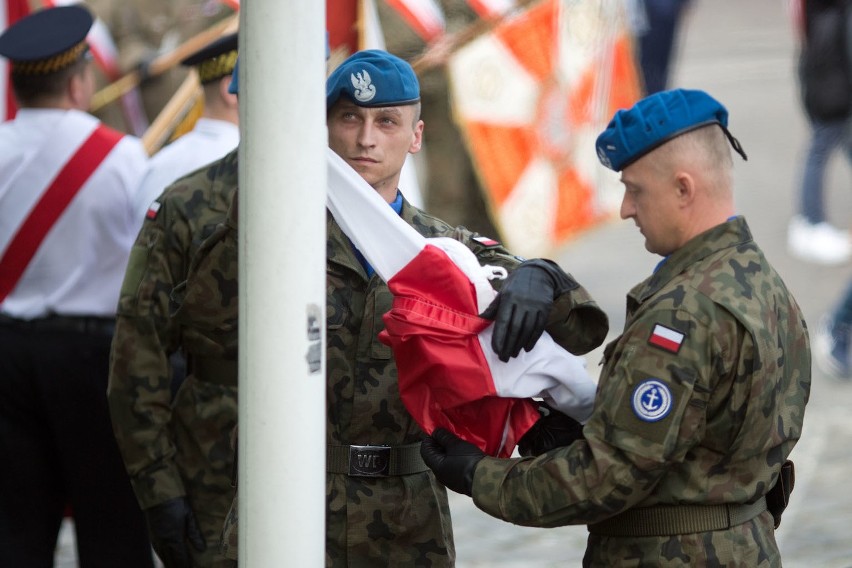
x=204, y=415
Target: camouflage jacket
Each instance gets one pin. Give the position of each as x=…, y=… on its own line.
x=140, y=397
x=400, y=520
x=700, y=401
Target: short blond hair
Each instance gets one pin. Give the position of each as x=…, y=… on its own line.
x=704, y=149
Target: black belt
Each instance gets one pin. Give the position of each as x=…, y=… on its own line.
x=667, y=520
x=63, y=324
x=375, y=461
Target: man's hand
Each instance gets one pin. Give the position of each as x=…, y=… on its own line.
x=553, y=430
x=173, y=528
x=521, y=309
x=451, y=459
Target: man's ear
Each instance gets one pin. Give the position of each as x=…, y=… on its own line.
x=229, y=98
x=76, y=90
x=685, y=187
x=417, y=142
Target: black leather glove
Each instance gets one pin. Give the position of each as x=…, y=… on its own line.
x=451, y=459
x=521, y=309
x=553, y=430
x=173, y=529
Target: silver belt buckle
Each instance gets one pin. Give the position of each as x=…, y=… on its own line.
x=369, y=461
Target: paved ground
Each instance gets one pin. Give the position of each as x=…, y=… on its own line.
x=742, y=53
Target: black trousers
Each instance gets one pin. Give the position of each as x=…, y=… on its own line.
x=57, y=449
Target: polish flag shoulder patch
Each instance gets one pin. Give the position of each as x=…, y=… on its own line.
x=486, y=241
x=153, y=209
x=666, y=338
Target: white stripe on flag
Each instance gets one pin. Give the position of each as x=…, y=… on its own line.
x=666, y=333
x=491, y=8
x=666, y=338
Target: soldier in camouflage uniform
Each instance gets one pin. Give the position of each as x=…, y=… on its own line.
x=205, y=306
x=374, y=517
x=176, y=450
x=700, y=400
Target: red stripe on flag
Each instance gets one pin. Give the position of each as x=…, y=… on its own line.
x=432, y=329
x=52, y=204
x=666, y=344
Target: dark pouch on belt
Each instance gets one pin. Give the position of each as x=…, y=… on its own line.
x=779, y=495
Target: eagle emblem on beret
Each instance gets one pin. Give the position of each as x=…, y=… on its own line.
x=363, y=84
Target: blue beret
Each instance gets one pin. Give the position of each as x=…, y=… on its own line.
x=234, y=87
x=47, y=41
x=655, y=120
x=373, y=78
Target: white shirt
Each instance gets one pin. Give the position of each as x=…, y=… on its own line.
x=208, y=141
x=79, y=266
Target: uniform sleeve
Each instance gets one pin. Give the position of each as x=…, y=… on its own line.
x=576, y=321
x=649, y=412
x=139, y=389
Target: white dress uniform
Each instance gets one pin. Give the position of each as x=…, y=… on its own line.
x=79, y=266
x=67, y=224
x=208, y=141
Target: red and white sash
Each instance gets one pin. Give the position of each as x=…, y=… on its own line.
x=40, y=189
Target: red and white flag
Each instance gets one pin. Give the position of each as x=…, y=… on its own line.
x=448, y=374
x=424, y=16
x=491, y=8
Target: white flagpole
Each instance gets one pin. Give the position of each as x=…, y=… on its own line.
x=282, y=284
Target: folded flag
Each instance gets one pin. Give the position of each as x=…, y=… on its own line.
x=448, y=374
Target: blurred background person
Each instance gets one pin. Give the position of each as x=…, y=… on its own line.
x=66, y=228
x=657, y=24
x=832, y=338
x=175, y=441
x=145, y=29
x=214, y=134
x=825, y=82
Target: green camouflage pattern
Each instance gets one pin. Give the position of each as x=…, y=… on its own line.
x=739, y=384
x=402, y=520
x=205, y=306
x=174, y=447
